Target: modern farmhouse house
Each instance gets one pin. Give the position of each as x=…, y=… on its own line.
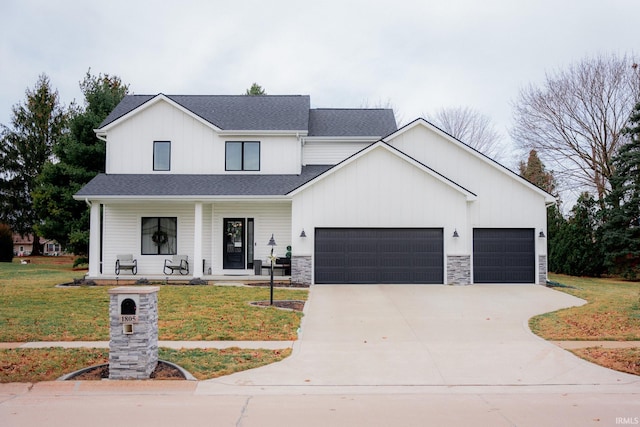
x=347, y=196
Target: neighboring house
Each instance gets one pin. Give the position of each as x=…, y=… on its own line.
x=23, y=245
x=358, y=200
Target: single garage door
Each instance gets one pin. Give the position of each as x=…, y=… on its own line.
x=378, y=255
x=503, y=255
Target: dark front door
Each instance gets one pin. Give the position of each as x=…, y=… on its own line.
x=233, y=250
x=379, y=255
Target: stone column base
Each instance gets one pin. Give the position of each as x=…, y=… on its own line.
x=458, y=269
x=301, y=270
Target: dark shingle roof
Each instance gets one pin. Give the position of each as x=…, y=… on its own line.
x=132, y=185
x=273, y=112
x=233, y=112
x=351, y=122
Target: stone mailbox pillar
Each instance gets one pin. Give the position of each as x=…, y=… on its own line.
x=133, y=317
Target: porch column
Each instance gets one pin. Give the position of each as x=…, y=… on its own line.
x=94, y=240
x=197, y=241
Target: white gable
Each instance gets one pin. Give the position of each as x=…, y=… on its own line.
x=457, y=161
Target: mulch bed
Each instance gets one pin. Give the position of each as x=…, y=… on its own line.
x=163, y=371
x=294, y=305
x=278, y=284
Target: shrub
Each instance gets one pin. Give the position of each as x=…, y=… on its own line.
x=6, y=243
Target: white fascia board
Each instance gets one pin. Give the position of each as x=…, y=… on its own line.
x=548, y=198
x=133, y=199
x=470, y=196
x=297, y=133
x=151, y=102
x=369, y=139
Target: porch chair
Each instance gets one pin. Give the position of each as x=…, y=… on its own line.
x=126, y=262
x=177, y=262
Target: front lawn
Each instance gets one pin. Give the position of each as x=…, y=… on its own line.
x=33, y=309
x=611, y=314
x=48, y=364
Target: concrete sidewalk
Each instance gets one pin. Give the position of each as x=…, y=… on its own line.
x=268, y=345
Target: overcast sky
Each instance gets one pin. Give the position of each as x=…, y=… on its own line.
x=418, y=56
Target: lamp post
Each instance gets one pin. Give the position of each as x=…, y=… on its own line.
x=271, y=243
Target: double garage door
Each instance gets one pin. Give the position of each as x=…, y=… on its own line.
x=416, y=255
x=379, y=255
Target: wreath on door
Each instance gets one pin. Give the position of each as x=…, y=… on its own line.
x=160, y=237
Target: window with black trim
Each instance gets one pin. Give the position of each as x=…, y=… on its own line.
x=159, y=235
x=161, y=155
x=242, y=156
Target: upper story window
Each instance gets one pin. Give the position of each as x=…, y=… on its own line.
x=161, y=155
x=242, y=156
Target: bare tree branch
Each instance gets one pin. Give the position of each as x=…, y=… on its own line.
x=575, y=119
x=471, y=127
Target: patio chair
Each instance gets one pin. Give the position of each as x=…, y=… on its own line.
x=126, y=262
x=177, y=262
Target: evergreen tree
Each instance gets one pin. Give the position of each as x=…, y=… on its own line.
x=6, y=243
x=535, y=172
x=36, y=128
x=622, y=230
x=579, y=249
x=255, y=89
x=80, y=156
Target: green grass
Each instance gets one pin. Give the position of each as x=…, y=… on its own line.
x=48, y=364
x=611, y=314
x=33, y=309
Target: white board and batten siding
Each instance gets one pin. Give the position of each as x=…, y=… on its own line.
x=383, y=191
x=196, y=148
x=330, y=152
x=504, y=200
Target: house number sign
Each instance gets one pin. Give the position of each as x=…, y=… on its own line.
x=129, y=318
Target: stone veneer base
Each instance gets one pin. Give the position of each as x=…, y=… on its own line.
x=135, y=355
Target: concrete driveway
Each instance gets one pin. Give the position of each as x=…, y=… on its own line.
x=408, y=335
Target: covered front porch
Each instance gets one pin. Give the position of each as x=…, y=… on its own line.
x=221, y=240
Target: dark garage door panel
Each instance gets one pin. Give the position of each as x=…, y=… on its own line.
x=378, y=255
x=503, y=255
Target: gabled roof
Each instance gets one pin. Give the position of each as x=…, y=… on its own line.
x=289, y=113
x=470, y=196
x=172, y=186
x=549, y=198
x=231, y=112
x=376, y=122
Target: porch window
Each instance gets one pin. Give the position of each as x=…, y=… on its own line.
x=161, y=155
x=242, y=156
x=159, y=235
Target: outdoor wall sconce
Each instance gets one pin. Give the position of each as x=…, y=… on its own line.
x=455, y=233
x=303, y=234
x=541, y=235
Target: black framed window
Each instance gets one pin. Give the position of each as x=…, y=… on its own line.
x=159, y=235
x=242, y=156
x=161, y=155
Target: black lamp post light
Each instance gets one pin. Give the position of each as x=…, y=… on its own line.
x=271, y=243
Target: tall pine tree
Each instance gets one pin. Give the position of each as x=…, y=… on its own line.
x=79, y=157
x=621, y=234
x=25, y=146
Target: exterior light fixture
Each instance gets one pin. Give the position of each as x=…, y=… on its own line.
x=541, y=235
x=272, y=243
x=455, y=233
x=303, y=234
